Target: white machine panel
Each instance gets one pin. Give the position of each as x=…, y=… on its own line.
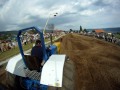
x=16, y=66
x=52, y=72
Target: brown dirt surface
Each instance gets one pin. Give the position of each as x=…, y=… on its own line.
x=2, y=77
x=97, y=63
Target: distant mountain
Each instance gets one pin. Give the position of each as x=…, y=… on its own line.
x=112, y=30
x=15, y=32
x=8, y=32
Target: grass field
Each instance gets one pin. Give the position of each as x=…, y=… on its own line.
x=7, y=54
x=117, y=36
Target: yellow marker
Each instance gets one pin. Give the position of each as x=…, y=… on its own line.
x=57, y=44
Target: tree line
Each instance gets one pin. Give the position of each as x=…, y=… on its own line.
x=78, y=31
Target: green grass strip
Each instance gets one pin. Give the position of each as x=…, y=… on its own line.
x=7, y=54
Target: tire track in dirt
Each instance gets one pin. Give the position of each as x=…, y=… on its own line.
x=97, y=62
x=99, y=78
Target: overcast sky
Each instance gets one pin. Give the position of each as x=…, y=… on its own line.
x=18, y=14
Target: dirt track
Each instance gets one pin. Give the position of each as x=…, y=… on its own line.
x=97, y=62
x=2, y=77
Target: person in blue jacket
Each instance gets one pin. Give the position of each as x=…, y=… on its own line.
x=37, y=51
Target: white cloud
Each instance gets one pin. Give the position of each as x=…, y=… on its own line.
x=25, y=19
x=22, y=13
x=112, y=2
x=12, y=27
x=87, y=3
x=91, y=12
x=61, y=9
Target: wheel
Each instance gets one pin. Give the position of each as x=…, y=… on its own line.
x=68, y=77
x=12, y=81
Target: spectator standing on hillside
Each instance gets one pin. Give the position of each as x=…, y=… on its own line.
x=105, y=37
x=1, y=47
x=13, y=44
x=114, y=40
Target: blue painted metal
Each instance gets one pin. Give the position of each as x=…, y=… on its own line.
x=42, y=42
x=53, y=49
x=28, y=83
x=33, y=84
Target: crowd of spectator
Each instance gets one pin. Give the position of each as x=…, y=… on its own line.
x=7, y=45
x=104, y=36
x=27, y=38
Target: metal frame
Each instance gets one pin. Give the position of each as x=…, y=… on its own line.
x=25, y=80
x=42, y=42
x=43, y=87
